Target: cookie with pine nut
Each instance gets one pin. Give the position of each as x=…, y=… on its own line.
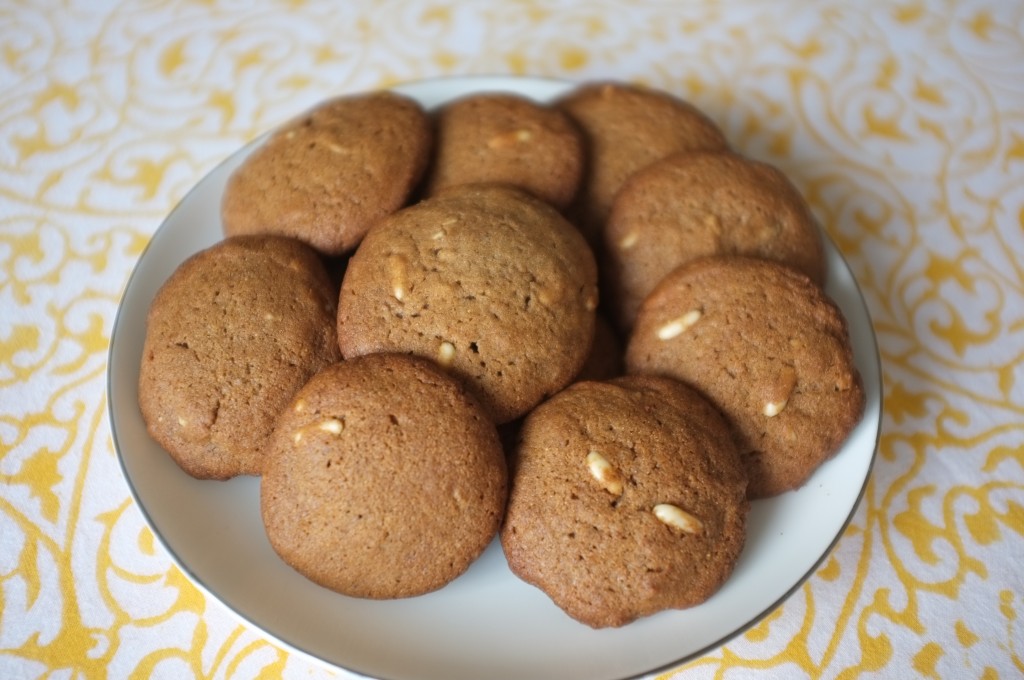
x=628, y=497
x=769, y=348
x=329, y=174
x=485, y=280
x=230, y=336
x=504, y=138
x=693, y=204
x=384, y=478
x=625, y=128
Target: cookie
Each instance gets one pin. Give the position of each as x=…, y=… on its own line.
x=627, y=497
x=625, y=128
x=231, y=335
x=504, y=138
x=487, y=281
x=326, y=176
x=767, y=346
x=693, y=204
x=384, y=479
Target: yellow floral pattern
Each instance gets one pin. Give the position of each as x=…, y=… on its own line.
x=903, y=123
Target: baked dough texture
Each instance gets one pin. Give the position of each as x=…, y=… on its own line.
x=487, y=281
x=628, y=497
x=231, y=335
x=695, y=204
x=328, y=175
x=384, y=479
x=625, y=128
x=769, y=348
x=503, y=138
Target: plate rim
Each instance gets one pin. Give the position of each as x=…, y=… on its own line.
x=477, y=82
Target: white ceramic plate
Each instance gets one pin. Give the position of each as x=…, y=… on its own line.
x=486, y=623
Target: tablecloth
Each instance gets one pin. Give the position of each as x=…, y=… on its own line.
x=902, y=123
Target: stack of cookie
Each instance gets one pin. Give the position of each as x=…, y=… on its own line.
x=470, y=243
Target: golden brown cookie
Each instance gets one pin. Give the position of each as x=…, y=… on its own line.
x=384, y=479
x=625, y=128
x=326, y=176
x=487, y=281
x=691, y=204
x=627, y=497
x=766, y=345
x=231, y=335
x=505, y=138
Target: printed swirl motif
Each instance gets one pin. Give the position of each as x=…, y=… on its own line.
x=901, y=122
